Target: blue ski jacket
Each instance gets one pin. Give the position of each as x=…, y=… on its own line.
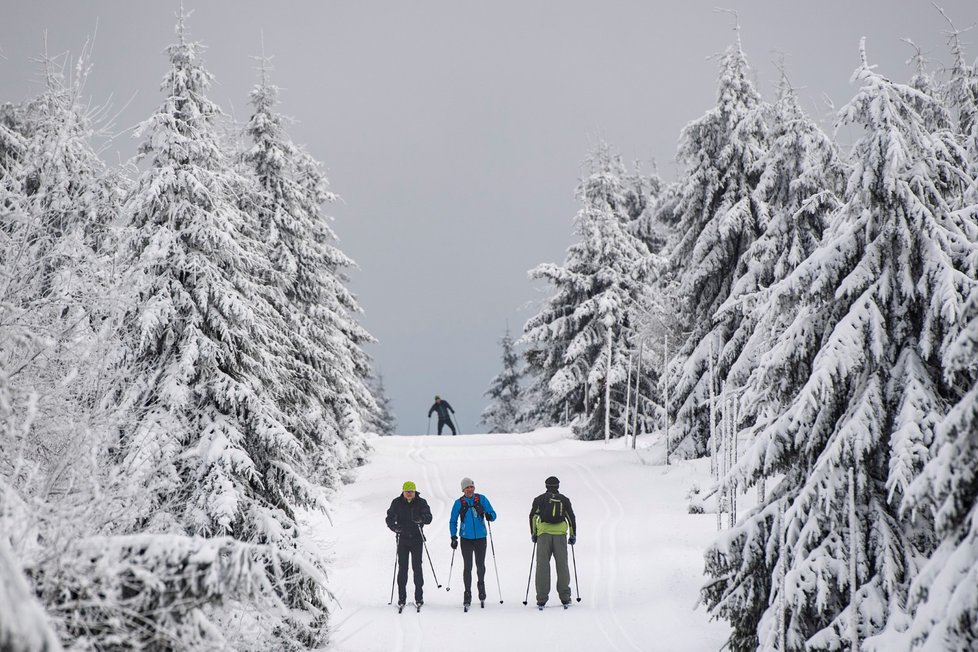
x=472, y=525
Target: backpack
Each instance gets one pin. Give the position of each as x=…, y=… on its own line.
x=551, y=509
x=465, y=506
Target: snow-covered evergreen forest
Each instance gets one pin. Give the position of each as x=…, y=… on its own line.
x=805, y=313
x=183, y=373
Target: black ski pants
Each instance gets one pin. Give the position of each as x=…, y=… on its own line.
x=412, y=548
x=478, y=548
x=446, y=422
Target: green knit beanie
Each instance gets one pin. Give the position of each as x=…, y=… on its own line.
x=409, y=486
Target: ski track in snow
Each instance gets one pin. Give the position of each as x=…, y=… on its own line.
x=639, y=572
x=598, y=557
x=610, y=534
x=605, y=565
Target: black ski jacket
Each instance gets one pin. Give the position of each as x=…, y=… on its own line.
x=442, y=408
x=406, y=516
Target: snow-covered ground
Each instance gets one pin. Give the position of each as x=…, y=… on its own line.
x=639, y=553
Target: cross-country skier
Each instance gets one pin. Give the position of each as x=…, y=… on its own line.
x=551, y=521
x=442, y=407
x=406, y=517
x=469, y=511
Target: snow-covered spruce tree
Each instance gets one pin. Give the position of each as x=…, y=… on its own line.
x=720, y=216
x=818, y=565
x=962, y=99
x=207, y=438
x=799, y=188
x=567, y=343
x=326, y=393
x=57, y=262
x=24, y=626
x=383, y=421
x=655, y=224
x=942, y=597
x=505, y=395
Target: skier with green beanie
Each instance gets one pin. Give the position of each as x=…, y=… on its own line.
x=552, y=521
x=406, y=517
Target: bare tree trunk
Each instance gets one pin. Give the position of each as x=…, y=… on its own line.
x=715, y=444
x=587, y=398
x=607, y=394
x=734, y=454
x=782, y=574
x=628, y=395
x=853, y=547
x=638, y=393
x=665, y=389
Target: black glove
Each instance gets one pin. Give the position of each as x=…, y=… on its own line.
x=417, y=521
x=454, y=543
x=573, y=539
x=490, y=517
x=480, y=510
x=533, y=538
x=396, y=530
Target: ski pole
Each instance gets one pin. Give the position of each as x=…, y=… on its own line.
x=428, y=432
x=494, y=565
x=448, y=584
x=425, y=543
x=397, y=539
x=530, y=574
x=578, y=586
x=457, y=430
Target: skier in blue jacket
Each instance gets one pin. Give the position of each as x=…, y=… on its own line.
x=469, y=510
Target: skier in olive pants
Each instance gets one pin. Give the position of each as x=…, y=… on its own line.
x=551, y=521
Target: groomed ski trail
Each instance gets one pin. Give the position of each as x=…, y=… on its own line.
x=639, y=554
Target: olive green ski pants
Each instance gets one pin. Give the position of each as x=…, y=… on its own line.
x=552, y=545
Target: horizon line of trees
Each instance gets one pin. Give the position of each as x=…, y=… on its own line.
x=808, y=318
x=182, y=373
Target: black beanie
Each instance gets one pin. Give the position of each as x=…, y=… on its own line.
x=552, y=481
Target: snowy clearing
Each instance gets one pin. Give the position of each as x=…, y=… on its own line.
x=639, y=554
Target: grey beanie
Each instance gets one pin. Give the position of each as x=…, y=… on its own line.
x=467, y=482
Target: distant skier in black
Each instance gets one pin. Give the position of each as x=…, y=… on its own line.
x=406, y=516
x=442, y=408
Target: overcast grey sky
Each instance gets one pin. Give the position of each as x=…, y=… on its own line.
x=454, y=130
